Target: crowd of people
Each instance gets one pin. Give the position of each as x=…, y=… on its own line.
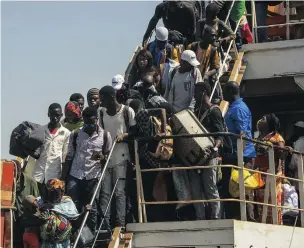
x=51, y=203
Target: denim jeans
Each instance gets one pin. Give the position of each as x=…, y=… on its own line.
x=204, y=186
x=107, y=186
x=81, y=192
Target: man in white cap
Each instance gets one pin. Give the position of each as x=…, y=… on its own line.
x=117, y=81
x=160, y=49
x=298, y=146
x=180, y=89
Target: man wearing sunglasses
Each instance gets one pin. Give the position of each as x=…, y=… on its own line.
x=86, y=155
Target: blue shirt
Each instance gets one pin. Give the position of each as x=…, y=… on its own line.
x=238, y=119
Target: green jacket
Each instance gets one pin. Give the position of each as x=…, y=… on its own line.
x=25, y=186
x=238, y=10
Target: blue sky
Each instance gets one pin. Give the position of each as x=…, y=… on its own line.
x=52, y=49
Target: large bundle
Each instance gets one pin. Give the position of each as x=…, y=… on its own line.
x=26, y=139
x=190, y=150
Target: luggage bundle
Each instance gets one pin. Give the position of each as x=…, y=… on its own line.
x=26, y=139
x=191, y=151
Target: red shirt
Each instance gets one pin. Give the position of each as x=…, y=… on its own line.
x=53, y=131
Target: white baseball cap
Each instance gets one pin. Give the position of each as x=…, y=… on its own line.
x=190, y=57
x=299, y=124
x=161, y=33
x=117, y=81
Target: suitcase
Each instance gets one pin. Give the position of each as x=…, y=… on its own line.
x=190, y=151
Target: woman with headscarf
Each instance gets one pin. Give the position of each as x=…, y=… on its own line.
x=56, y=232
x=73, y=118
x=269, y=127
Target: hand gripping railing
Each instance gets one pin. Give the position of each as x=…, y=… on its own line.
x=94, y=194
x=271, y=178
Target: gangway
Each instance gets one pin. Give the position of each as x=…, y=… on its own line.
x=220, y=233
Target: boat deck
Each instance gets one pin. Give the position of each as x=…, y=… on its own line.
x=215, y=234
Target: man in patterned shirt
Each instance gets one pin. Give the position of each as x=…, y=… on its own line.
x=86, y=154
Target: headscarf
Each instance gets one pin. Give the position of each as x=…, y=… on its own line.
x=273, y=122
x=73, y=107
x=55, y=189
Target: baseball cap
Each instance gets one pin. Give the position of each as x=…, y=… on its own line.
x=117, y=81
x=190, y=57
x=161, y=33
x=299, y=124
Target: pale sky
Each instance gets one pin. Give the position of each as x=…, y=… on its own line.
x=53, y=49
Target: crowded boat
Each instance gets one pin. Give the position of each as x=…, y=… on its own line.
x=170, y=131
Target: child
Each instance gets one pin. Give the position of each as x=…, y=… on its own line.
x=32, y=219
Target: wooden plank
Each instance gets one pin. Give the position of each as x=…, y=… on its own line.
x=115, y=238
x=126, y=241
x=236, y=75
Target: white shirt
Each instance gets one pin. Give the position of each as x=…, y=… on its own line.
x=52, y=155
x=115, y=125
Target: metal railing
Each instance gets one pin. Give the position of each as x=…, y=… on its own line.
x=105, y=167
x=255, y=27
x=270, y=179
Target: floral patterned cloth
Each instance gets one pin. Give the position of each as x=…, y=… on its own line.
x=263, y=164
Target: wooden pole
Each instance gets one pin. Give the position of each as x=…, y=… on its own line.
x=138, y=182
x=301, y=188
x=241, y=178
x=273, y=191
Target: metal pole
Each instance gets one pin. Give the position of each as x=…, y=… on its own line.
x=228, y=14
x=240, y=159
x=287, y=20
x=273, y=191
x=95, y=193
x=253, y=19
x=137, y=167
x=104, y=214
x=301, y=187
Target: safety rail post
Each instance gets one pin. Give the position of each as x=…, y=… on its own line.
x=137, y=170
x=273, y=191
x=254, y=22
x=241, y=178
x=301, y=187
x=287, y=20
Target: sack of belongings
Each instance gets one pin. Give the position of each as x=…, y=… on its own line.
x=164, y=150
x=26, y=139
x=251, y=182
x=290, y=199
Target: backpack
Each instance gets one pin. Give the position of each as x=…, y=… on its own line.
x=227, y=147
x=164, y=150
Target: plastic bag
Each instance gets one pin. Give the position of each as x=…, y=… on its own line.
x=290, y=199
x=86, y=237
x=251, y=182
